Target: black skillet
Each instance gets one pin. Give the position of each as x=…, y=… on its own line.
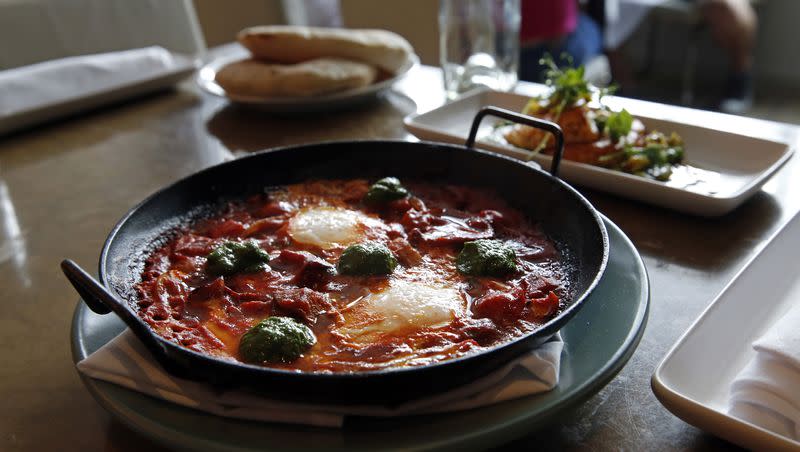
x=563, y=214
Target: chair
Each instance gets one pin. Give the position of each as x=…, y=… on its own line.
x=688, y=13
x=38, y=30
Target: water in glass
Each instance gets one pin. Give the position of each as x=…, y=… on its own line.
x=479, y=44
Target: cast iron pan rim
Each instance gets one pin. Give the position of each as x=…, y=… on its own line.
x=546, y=330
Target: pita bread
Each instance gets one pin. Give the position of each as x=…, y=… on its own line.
x=293, y=44
x=311, y=78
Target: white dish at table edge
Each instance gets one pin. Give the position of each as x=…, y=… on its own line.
x=206, y=80
x=182, y=67
x=694, y=378
x=744, y=162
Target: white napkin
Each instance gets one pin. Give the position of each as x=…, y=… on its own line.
x=53, y=82
x=126, y=362
x=767, y=391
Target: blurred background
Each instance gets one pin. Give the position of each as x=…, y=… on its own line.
x=662, y=50
x=669, y=54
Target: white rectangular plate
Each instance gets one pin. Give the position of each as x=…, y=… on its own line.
x=694, y=378
x=737, y=165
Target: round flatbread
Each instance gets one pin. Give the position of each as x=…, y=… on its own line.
x=292, y=44
x=320, y=76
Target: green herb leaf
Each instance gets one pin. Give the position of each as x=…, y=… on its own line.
x=568, y=84
x=618, y=125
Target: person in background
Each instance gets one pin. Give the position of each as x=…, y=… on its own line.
x=733, y=25
x=556, y=27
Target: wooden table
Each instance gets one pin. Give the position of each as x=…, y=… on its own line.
x=63, y=186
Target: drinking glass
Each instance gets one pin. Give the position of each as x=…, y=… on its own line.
x=478, y=44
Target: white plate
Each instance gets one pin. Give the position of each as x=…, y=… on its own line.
x=735, y=166
x=182, y=66
x=694, y=378
x=343, y=99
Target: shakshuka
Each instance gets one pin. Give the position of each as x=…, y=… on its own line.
x=354, y=275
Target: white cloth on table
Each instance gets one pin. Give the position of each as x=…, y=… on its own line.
x=126, y=362
x=33, y=31
x=767, y=391
x=52, y=82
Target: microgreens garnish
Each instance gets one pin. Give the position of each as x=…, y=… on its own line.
x=568, y=88
x=618, y=124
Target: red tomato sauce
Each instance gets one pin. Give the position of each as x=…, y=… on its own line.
x=183, y=303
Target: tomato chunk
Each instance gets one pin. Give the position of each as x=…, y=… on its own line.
x=499, y=306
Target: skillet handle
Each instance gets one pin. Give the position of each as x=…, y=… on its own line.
x=92, y=293
x=101, y=301
x=521, y=119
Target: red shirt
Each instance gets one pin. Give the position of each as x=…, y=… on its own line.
x=547, y=19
